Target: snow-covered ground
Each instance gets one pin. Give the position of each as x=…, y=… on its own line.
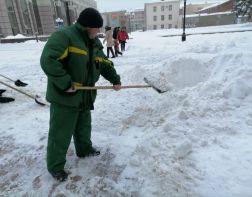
x=194, y=140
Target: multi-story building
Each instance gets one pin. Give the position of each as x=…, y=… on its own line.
x=30, y=17
x=191, y=10
x=115, y=19
x=137, y=20
x=218, y=7
x=131, y=20
x=26, y=17
x=162, y=15
x=68, y=11
x=194, y=8
x=44, y=15
x=215, y=14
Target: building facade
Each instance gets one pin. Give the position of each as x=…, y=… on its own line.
x=27, y=17
x=44, y=15
x=218, y=7
x=115, y=19
x=215, y=14
x=214, y=19
x=30, y=17
x=194, y=8
x=68, y=11
x=137, y=20
x=162, y=15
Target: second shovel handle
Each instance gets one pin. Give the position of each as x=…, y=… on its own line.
x=109, y=87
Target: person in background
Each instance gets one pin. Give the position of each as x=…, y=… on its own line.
x=115, y=32
x=116, y=47
x=116, y=42
x=73, y=56
x=109, y=40
x=122, y=36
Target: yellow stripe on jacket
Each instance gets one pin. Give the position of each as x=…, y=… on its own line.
x=72, y=50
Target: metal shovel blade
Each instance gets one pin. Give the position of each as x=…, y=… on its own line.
x=158, y=89
x=37, y=100
x=36, y=97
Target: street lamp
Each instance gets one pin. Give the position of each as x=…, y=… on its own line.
x=184, y=35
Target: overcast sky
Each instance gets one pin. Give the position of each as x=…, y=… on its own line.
x=115, y=5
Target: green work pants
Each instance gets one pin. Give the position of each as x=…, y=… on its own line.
x=66, y=122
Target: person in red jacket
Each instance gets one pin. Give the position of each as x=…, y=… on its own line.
x=122, y=36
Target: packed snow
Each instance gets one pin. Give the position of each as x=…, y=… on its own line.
x=16, y=36
x=193, y=140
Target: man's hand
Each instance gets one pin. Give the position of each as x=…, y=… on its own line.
x=71, y=90
x=117, y=87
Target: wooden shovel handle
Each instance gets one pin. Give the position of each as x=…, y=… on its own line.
x=109, y=87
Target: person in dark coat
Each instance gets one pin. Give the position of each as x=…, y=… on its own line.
x=73, y=56
x=115, y=32
x=116, y=41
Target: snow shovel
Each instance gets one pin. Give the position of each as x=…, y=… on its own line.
x=150, y=85
x=36, y=97
x=17, y=82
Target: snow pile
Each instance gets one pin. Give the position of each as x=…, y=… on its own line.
x=193, y=140
x=15, y=37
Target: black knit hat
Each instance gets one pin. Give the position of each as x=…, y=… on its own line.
x=90, y=17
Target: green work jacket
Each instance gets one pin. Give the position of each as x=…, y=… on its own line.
x=70, y=57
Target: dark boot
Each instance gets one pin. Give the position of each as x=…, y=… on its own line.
x=91, y=152
x=60, y=176
x=113, y=54
x=107, y=52
x=115, y=51
x=6, y=99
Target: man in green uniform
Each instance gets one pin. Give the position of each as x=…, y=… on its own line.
x=74, y=56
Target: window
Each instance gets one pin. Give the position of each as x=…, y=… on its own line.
x=162, y=17
x=154, y=9
x=162, y=26
x=170, y=17
x=154, y=26
x=154, y=18
x=162, y=8
x=170, y=7
x=170, y=26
